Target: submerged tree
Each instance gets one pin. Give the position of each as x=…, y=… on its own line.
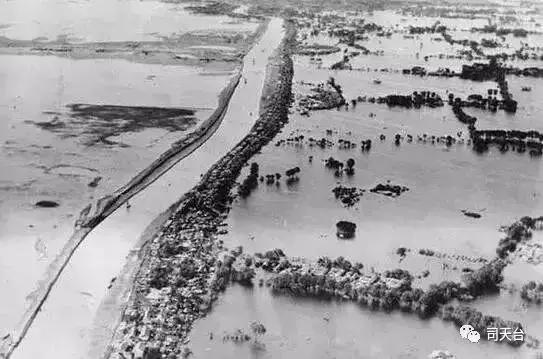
x=258, y=329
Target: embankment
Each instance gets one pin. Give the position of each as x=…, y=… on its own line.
x=185, y=265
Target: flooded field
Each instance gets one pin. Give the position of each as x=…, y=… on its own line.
x=445, y=182
x=389, y=196
x=307, y=328
x=427, y=216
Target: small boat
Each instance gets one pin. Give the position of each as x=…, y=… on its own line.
x=526, y=88
x=377, y=82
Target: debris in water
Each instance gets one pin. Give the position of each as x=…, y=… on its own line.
x=471, y=214
x=95, y=181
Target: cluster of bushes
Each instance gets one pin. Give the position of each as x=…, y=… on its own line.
x=392, y=290
x=461, y=115
x=510, y=134
x=324, y=97
x=271, y=179
x=349, y=196
x=436, y=28
x=489, y=43
x=461, y=315
x=376, y=295
x=532, y=292
x=518, y=32
x=485, y=279
x=338, y=166
x=416, y=100
x=509, y=105
x=250, y=182
x=514, y=139
x=516, y=233
x=270, y=259
x=481, y=71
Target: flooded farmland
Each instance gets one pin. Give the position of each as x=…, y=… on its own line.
x=293, y=180
x=408, y=148
x=308, y=328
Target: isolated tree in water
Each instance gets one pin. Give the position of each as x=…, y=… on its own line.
x=258, y=329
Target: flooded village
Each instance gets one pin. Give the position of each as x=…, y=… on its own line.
x=291, y=179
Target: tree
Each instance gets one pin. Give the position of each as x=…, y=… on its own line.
x=257, y=329
x=486, y=278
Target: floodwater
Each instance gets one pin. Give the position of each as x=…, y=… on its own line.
x=49, y=152
x=306, y=328
x=300, y=218
x=442, y=182
x=64, y=328
x=105, y=20
x=39, y=164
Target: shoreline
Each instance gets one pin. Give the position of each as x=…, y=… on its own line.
x=198, y=215
x=187, y=50
x=92, y=215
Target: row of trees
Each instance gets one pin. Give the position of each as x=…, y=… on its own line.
x=515, y=233
x=377, y=294
x=250, y=182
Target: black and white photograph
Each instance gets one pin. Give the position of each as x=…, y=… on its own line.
x=271, y=179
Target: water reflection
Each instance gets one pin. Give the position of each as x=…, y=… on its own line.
x=303, y=328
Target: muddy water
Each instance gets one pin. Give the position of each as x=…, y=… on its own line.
x=399, y=52
x=103, y=20
x=300, y=328
x=39, y=164
x=528, y=115
x=64, y=326
x=509, y=304
x=443, y=181
x=300, y=219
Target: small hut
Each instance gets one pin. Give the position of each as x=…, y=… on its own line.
x=345, y=229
